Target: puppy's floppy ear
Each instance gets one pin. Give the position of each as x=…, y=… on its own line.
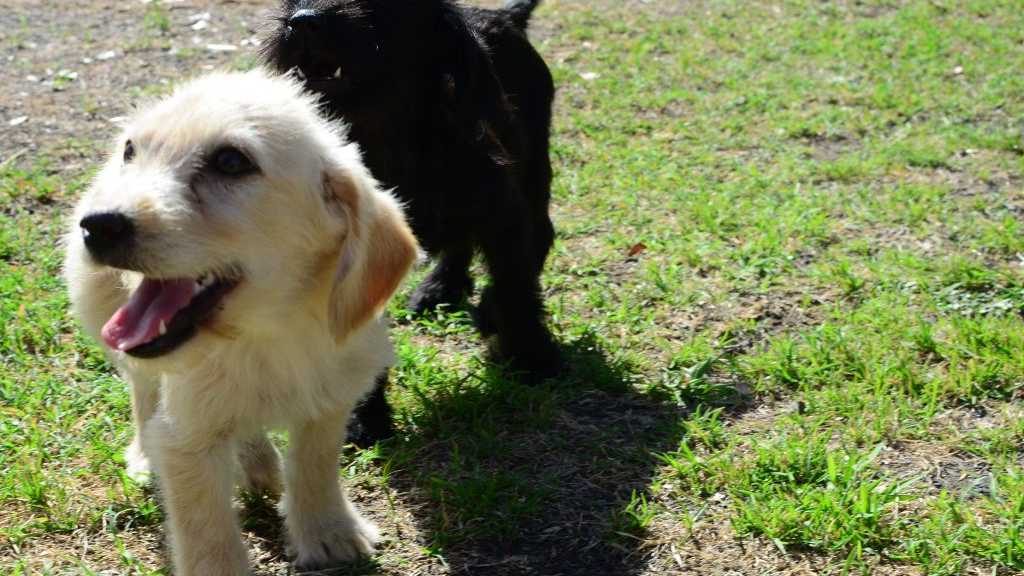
x=470, y=89
x=376, y=252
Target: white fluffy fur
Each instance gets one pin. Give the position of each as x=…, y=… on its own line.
x=295, y=345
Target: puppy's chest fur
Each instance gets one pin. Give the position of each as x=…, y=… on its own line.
x=241, y=384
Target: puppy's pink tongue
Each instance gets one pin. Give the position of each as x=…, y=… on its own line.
x=153, y=302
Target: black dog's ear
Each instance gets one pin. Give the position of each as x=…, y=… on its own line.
x=471, y=92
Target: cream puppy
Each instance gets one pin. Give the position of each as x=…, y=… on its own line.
x=234, y=255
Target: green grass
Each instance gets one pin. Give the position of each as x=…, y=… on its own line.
x=156, y=19
x=787, y=277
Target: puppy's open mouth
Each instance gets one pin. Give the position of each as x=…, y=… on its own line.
x=162, y=314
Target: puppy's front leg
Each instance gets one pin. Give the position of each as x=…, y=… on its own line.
x=324, y=528
x=197, y=483
x=145, y=397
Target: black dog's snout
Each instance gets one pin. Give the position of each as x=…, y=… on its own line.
x=107, y=233
x=304, y=21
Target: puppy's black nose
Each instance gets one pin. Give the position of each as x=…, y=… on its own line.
x=107, y=233
x=305, y=21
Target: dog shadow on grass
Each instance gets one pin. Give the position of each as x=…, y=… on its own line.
x=490, y=476
x=506, y=479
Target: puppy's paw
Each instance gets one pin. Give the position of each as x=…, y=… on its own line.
x=334, y=541
x=230, y=561
x=137, y=465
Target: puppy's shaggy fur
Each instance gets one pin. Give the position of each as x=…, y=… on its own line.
x=452, y=106
x=234, y=255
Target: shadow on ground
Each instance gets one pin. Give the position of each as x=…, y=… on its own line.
x=508, y=479
x=499, y=478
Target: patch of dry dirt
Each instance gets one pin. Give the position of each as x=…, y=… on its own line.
x=712, y=549
x=938, y=468
x=69, y=74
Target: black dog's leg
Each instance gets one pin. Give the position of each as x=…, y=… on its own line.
x=511, y=305
x=371, y=420
x=448, y=283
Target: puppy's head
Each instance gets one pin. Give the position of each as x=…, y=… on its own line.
x=231, y=206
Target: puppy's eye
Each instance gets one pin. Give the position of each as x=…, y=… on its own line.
x=129, y=151
x=230, y=161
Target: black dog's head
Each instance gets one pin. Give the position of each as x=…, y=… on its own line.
x=332, y=45
x=395, y=54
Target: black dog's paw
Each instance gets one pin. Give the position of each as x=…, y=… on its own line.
x=371, y=420
x=432, y=293
x=543, y=363
x=536, y=361
x=365, y=432
x=485, y=317
x=427, y=297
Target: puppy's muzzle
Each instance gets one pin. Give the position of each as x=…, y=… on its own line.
x=109, y=237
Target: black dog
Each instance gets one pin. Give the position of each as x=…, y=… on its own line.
x=452, y=106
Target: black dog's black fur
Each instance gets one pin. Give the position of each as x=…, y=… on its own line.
x=451, y=105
